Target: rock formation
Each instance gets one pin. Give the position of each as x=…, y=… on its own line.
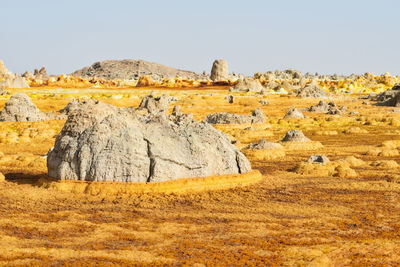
x=389, y=98
x=294, y=114
x=310, y=90
x=129, y=69
x=263, y=144
x=328, y=108
x=155, y=105
x=100, y=142
x=257, y=116
x=20, y=108
x=10, y=80
x=219, y=70
x=4, y=72
x=322, y=159
x=248, y=85
x=295, y=136
x=16, y=82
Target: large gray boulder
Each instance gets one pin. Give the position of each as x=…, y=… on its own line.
x=219, y=71
x=100, y=142
x=257, y=116
x=20, y=108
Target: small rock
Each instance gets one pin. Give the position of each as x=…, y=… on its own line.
x=322, y=159
x=257, y=116
x=294, y=114
x=230, y=99
x=263, y=144
x=295, y=136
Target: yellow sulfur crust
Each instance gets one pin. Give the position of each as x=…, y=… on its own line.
x=180, y=186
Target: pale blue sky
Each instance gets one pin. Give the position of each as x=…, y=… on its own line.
x=316, y=36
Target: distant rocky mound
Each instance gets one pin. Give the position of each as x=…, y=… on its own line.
x=328, y=108
x=294, y=114
x=20, y=108
x=37, y=74
x=100, y=142
x=130, y=69
x=248, y=85
x=295, y=136
x=310, y=90
x=257, y=116
x=264, y=144
x=219, y=70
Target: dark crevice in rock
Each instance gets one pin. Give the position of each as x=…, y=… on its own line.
x=152, y=161
x=238, y=163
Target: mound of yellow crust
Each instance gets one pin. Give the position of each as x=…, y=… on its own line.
x=263, y=154
x=180, y=186
x=341, y=168
x=312, y=145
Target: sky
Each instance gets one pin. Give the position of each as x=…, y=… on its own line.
x=327, y=37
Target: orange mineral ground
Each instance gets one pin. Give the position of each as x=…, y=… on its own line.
x=286, y=212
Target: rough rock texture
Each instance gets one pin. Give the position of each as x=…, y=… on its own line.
x=389, y=98
x=257, y=116
x=20, y=108
x=327, y=108
x=248, y=85
x=219, y=70
x=263, y=144
x=100, y=142
x=295, y=136
x=129, y=69
x=322, y=159
x=154, y=105
x=76, y=104
x=294, y=114
x=310, y=90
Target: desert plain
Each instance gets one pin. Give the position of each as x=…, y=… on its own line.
x=287, y=211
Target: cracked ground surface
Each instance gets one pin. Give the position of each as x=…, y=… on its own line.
x=288, y=218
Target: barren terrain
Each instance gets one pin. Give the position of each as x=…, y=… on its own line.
x=345, y=213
